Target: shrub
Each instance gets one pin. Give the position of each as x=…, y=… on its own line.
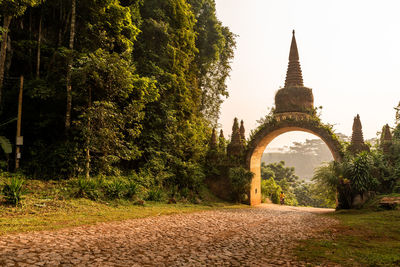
x=271, y=190
x=13, y=190
x=115, y=189
x=358, y=170
x=154, y=194
x=87, y=188
x=185, y=175
x=131, y=189
x=240, y=179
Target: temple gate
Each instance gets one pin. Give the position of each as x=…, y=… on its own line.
x=294, y=111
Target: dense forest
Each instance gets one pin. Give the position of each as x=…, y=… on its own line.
x=113, y=87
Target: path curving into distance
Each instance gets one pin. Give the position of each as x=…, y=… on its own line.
x=260, y=236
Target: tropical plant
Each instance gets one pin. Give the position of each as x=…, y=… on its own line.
x=328, y=175
x=5, y=145
x=240, y=180
x=86, y=188
x=358, y=171
x=131, y=189
x=154, y=194
x=13, y=190
x=269, y=189
x=115, y=189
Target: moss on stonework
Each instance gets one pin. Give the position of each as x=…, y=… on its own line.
x=312, y=124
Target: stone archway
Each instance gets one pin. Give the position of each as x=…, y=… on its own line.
x=294, y=111
x=276, y=126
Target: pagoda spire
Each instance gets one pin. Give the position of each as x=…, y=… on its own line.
x=386, y=139
x=242, y=132
x=294, y=76
x=357, y=139
x=213, y=141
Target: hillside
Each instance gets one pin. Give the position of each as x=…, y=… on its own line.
x=304, y=157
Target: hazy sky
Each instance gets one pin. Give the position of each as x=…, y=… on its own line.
x=349, y=54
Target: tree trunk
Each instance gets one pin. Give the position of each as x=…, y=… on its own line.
x=69, y=67
x=87, y=163
x=3, y=51
x=38, y=47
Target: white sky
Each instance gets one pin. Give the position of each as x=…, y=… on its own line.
x=349, y=54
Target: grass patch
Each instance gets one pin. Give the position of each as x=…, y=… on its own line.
x=46, y=207
x=363, y=238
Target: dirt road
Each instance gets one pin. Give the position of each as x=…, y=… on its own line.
x=261, y=236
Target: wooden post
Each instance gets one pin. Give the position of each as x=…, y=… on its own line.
x=17, y=144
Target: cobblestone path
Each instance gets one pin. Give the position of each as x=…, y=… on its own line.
x=260, y=236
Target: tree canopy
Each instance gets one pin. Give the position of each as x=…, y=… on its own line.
x=144, y=81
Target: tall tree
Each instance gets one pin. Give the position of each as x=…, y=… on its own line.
x=216, y=45
x=8, y=10
x=69, y=67
x=176, y=133
x=39, y=44
x=110, y=122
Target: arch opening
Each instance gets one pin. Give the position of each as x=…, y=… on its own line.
x=263, y=138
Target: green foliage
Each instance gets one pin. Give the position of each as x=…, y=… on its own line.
x=131, y=189
x=13, y=190
x=154, y=194
x=5, y=145
x=327, y=176
x=107, y=188
x=111, y=123
x=358, y=171
x=271, y=190
x=240, y=179
x=115, y=189
x=278, y=178
x=216, y=49
x=86, y=188
x=315, y=195
x=16, y=8
x=185, y=175
x=266, y=172
x=148, y=78
x=278, y=171
x=356, y=174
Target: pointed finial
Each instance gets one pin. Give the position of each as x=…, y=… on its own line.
x=294, y=76
x=357, y=139
x=242, y=131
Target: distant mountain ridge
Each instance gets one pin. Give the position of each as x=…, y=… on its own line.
x=304, y=157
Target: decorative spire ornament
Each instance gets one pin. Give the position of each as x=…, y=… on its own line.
x=222, y=142
x=294, y=76
x=386, y=139
x=357, y=139
x=221, y=134
x=242, y=132
x=213, y=141
x=294, y=97
x=235, y=146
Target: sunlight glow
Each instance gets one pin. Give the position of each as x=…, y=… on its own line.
x=348, y=53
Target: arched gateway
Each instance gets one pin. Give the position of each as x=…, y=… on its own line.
x=294, y=111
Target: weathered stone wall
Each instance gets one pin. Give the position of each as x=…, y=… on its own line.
x=294, y=99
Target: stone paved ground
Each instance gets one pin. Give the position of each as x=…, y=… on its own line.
x=259, y=236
